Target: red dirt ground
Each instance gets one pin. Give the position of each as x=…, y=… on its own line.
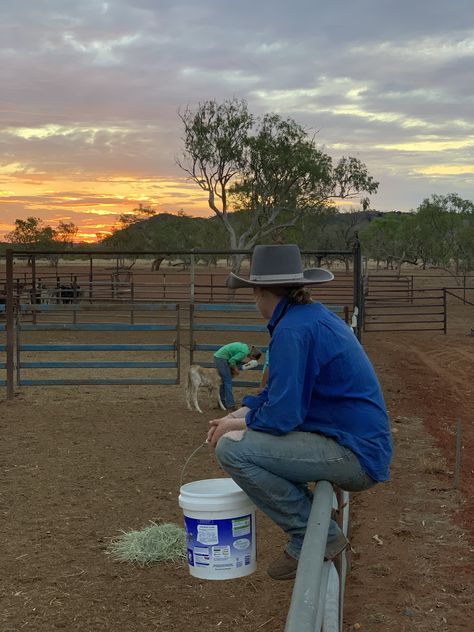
x=81, y=464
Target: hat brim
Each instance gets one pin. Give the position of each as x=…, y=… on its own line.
x=312, y=276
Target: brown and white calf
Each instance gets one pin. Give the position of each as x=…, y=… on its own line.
x=207, y=378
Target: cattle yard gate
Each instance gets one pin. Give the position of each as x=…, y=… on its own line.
x=240, y=318
x=108, y=331
x=393, y=304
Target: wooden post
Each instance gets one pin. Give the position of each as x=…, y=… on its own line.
x=10, y=325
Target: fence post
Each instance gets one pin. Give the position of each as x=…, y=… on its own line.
x=305, y=600
x=192, y=288
x=358, y=297
x=75, y=299
x=91, y=278
x=10, y=325
x=445, y=309
x=178, y=342
x=191, y=333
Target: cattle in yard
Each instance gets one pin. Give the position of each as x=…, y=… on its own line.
x=198, y=377
x=68, y=293
x=44, y=294
x=156, y=263
x=64, y=293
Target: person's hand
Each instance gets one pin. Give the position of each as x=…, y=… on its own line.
x=219, y=427
x=251, y=364
x=234, y=371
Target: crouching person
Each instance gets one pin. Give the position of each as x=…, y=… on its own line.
x=227, y=360
x=321, y=415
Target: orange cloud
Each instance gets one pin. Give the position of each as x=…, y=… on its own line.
x=93, y=205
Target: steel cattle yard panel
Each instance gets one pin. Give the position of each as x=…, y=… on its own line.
x=234, y=314
x=401, y=310
x=57, y=312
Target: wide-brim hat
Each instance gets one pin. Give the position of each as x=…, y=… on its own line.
x=279, y=266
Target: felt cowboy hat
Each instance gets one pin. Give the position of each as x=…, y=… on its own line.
x=279, y=266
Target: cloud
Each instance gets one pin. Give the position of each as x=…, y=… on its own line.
x=91, y=90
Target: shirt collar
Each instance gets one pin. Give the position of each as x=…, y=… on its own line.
x=277, y=314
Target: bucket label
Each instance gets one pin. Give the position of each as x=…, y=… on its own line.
x=220, y=545
x=241, y=526
x=207, y=534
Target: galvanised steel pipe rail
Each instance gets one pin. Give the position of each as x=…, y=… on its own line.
x=309, y=590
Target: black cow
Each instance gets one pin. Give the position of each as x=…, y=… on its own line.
x=69, y=293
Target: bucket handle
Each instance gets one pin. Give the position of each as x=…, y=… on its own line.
x=183, y=471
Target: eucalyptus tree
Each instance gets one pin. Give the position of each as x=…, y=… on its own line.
x=444, y=225
x=269, y=166
x=66, y=233
x=391, y=239
x=32, y=234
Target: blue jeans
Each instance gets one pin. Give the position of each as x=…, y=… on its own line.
x=274, y=471
x=225, y=388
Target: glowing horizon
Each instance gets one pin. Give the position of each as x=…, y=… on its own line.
x=94, y=206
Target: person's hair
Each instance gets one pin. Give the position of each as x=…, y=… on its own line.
x=294, y=295
x=254, y=352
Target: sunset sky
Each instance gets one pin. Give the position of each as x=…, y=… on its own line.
x=90, y=92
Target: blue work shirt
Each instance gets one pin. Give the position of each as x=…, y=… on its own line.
x=321, y=380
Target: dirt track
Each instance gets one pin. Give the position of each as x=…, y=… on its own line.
x=80, y=464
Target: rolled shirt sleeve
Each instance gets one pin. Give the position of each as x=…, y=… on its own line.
x=237, y=357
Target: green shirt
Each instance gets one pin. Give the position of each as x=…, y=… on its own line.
x=234, y=352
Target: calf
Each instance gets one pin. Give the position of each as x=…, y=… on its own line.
x=199, y=376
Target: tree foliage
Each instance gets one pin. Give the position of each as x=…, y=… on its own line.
x=66, y=233
x=267, y=166
x=32, y=233
x=439, y=234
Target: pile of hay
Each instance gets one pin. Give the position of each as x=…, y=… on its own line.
x=157, y=543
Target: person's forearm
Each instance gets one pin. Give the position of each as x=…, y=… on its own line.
x=240, y=413
x=219, y=427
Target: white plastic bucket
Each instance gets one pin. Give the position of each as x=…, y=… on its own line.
x=219, y=519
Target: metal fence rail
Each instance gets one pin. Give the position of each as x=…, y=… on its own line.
x=402, y=310
x=233, y=314
x=57, y=324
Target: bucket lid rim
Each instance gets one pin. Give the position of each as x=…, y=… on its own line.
x=231, y=487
